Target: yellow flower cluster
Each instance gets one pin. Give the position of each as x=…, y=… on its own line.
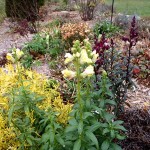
x=15, y=55
x=82, y=55
x=75, y=31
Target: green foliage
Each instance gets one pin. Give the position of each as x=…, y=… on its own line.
x=105, y=28
x=92, y=127
x=46, y=44
x=27, y=60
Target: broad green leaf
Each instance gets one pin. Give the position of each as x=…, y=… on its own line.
x=70, y=129
x=60, y=140
x=106, y=130
x=112, y=134
x=108, y=117
x=120, y=137
x=45, y=137
x=105, y=145
x=52, y=136
x=73, y=122
x=120, y=127
x=80, y=127
x=77, y=145
x=93, y=138
x=87, y=114
x=94, y=127
x=118, y=122
x=29, y=141
x=110, y=102
x=116, y=147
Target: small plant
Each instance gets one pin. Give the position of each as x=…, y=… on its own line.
x=71, y=32
x=105, y=28
x=49, y=43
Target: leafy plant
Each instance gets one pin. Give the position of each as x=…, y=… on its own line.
x=74, y=31
x=49, y=43
x=117, y=65
x=105, y=28
x=92, y=125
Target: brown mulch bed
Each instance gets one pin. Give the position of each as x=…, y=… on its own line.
x=137, y=122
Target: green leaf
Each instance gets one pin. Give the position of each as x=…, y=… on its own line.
x=87, y=114
x=73, y=122
x=10, y=113
x=94, y=127
x=120, y=127
x=108, y=117
x=80, y=127
x=118, y=122
x=105, y=145
x=116, y=147
x=120, y=137
x=110, y=102
x=60, y=140
x=70, y=129
x=112, y=134
x=52, y=135
x=77, y=145
x=106, y=130
x=45, y=137
x=92, y=137
x=29, y=141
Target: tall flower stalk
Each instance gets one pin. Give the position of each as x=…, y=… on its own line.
x=131, y=40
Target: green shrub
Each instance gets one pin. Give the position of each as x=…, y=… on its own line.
x=105, y=28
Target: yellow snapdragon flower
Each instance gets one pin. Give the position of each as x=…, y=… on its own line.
x=68, y=74
x=84, y=57
x=19, y=53
x=69, y=58
x=95, y=56
x=88, y=72
x=10, y=57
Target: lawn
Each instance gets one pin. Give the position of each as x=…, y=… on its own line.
x=140, y=7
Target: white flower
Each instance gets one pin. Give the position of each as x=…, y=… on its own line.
x=68, y=57
x=95, y=56
x=19, y=53
x=89, y=71
x=84, y=57
x=68, y=74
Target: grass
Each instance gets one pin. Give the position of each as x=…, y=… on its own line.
x=2, y=10
x=140, y=7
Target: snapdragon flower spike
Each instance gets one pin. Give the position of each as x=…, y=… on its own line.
x=100, y=46
x=133, y=35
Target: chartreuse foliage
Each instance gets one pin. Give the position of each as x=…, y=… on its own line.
x=28, y=104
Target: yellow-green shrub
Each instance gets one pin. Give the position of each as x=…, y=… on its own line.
x=12, y=77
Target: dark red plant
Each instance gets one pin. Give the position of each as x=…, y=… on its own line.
x=100, y=46
x=132, y=39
